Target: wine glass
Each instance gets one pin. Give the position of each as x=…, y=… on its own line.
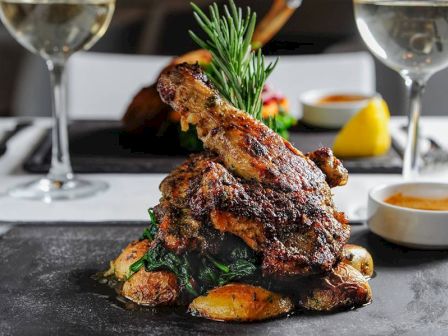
x=411, y=37
x=55, y=29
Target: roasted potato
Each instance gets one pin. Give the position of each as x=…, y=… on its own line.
x=151, y=288
x=359, y=258
x=344, y=287
x=240, y=302
x=131, y=253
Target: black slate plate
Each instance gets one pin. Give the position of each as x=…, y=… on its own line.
x=103, y=147
x=46, y=289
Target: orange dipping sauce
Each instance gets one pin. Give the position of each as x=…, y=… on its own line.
x=332, y=99
x=420, y=203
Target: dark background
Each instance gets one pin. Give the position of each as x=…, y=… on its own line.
x=160, y=27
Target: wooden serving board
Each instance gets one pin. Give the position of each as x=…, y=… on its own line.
x=103, y=147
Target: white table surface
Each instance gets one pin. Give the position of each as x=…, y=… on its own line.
x=129, y=196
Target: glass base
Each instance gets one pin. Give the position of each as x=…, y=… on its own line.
x=48, y=190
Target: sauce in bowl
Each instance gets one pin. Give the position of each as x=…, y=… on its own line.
x=340, y=99
x=419, y=203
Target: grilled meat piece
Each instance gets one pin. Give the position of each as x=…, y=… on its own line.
x=253, y=184
x=247, y=147
x=335, y=173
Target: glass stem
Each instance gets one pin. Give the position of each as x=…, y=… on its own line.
x=412, y=152
x=61, y=169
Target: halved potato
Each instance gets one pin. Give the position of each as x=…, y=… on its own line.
x=359, y=258
x=130, y=254
x=240, y=302
x=344, y=287
x=151, y=288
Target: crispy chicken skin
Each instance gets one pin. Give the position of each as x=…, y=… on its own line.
x=246, y=146
x=256, y=185
x=335, y=173
x=203, y=191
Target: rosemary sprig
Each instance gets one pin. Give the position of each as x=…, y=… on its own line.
x=238, y=72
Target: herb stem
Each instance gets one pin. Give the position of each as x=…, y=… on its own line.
x=238, y=72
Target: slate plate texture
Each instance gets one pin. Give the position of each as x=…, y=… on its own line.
x=103, y=147
x=46, y=289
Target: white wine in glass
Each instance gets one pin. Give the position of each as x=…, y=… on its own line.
x=410, y=37
x=55, y=29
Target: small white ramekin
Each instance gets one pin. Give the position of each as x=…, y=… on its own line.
x=330, y=115
x=425, y=229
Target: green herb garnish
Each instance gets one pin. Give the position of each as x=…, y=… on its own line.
x=238, y=72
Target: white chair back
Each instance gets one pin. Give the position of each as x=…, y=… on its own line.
x=102, y=85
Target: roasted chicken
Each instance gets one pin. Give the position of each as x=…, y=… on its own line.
x=257, y=186
x=254, y=186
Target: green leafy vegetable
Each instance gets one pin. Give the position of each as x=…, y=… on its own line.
x=239, y=269
x=159, y=258
x=219, y=265
x=238, y=72
x=212, y=272
x=217, y=273
x=151, y=231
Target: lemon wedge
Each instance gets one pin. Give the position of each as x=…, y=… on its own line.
x=366, y=133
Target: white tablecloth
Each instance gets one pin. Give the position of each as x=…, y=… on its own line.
x=129, y=196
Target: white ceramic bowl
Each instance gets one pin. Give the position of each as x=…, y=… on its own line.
x=425, y=229
x=330, y=115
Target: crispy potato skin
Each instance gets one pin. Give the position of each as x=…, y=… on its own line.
x=131, y=253
x=344, y=287
x=240, y=302
x=151, y=288
x=359, y=258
